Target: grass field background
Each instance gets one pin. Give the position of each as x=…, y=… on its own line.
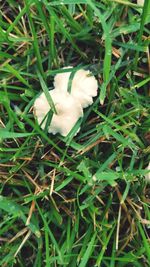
x=80, y=200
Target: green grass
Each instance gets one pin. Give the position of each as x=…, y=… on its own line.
x=77, y=200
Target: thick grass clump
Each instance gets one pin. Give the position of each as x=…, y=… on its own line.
x=80, y=200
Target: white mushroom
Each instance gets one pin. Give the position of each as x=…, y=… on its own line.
x=68, y=110
x=84, y=85
x=140, y=2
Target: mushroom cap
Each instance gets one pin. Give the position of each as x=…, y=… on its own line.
x=61, y=79
x=147, y=176
x=140, y=2
x=68, y=111
x=84, y=86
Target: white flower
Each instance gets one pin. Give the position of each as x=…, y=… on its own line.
x=84, y=86
x=68, y=110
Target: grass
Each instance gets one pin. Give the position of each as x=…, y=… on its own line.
x=80, y=200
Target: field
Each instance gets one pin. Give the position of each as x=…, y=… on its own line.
x=80, y=200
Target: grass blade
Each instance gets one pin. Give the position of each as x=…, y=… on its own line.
x=88, y=252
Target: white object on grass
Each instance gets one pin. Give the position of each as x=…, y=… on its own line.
x=84, y=86
x=69, y=105
x=140, y=2
x=68, y=110
x=147, y=176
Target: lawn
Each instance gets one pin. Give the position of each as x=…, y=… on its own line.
x=80, y=200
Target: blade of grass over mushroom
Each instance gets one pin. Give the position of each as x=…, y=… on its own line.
x=48, y=120
x=108, y=50
x=70, y=81
x=59, y=70
x=46, y=92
